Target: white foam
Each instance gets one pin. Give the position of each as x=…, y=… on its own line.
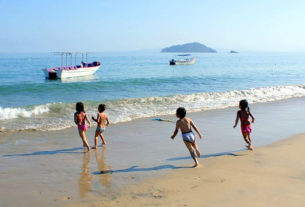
x=13, y=113
x=58, y=116
x=129, y=109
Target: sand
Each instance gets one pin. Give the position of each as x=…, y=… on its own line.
x=270, y=176
x=148, y=168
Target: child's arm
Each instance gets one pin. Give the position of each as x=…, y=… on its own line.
x=95, y=119
x=252, y=117
x=236, y=120
x=88, y=120
x=176, y=131
x=75, y=118
x=195, y=128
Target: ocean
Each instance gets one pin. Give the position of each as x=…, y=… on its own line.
x=135, y=85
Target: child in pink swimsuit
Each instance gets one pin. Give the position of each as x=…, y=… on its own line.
x=245, y=126
x=80, y=118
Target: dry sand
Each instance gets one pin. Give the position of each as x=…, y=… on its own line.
x=273, y=175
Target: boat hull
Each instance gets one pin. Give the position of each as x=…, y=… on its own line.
x=76, y=73
x=185, y=62
x=62, y=73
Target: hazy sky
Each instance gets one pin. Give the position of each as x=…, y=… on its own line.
x=120, y=25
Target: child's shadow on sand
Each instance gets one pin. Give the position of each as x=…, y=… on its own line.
x=139, y=169
x=232, y=153
x=164, y=167
x=50, y=152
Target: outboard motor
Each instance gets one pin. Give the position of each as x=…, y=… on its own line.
x=172, y=62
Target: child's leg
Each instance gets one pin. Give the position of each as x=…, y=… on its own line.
x=190, y=148
x=95, y=139
x=102, y=137
x=83, y=136
x=246, y=138
x=195, y=146
x=249, y=139
x=80, y=134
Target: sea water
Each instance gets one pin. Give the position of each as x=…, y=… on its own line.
x=134, y=85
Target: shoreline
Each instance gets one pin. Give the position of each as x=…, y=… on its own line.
x=57, y=116
x=55, y=168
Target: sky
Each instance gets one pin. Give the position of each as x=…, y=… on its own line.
x=126, y=25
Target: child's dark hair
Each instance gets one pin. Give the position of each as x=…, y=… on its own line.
x=244, y=105
x=80, y=107
x=102, y=107
x=181, y=112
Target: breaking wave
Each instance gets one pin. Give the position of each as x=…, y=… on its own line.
x=55, y=116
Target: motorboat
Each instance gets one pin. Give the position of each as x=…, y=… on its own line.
x=83, y=69
x=183, y=59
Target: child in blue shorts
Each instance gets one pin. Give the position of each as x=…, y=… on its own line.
x=186, y=125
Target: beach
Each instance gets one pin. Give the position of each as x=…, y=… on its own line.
x=64, y=64
x=142, y=166
x=270, y=176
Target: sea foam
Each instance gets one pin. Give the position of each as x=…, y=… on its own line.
x=13, y=113
x=57, y=116
x=129, y=109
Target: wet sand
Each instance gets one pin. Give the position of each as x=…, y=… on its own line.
x=52, y=169
x=269, y=176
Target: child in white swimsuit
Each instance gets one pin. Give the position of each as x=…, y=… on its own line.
x=185, y=125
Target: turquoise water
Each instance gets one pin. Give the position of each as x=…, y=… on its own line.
x=135, y=85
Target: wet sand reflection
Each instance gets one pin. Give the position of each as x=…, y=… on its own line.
x=104, y=179
x=85, y=179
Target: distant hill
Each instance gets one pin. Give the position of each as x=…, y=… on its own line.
x=189, y=47
x=233, y=51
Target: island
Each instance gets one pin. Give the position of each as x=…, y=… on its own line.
x=232, y=51
x=194, y=47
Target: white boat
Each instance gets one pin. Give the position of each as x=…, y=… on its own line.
x=72, y=71
x=184, y=59
x=84, y=69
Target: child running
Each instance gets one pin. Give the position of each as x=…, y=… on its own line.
x=80, y=118
x=243, y=114
x=185, y=125
x=101, y=120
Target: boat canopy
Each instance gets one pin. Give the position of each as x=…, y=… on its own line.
x=71, y=54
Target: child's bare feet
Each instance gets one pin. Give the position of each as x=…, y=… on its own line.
x=249, y=147
x=196, y=165
x=95, y=147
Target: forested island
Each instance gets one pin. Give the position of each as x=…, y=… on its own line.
x=194, y=47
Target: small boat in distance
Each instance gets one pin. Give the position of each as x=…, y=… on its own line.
x=84, y=69
x=183, y=59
